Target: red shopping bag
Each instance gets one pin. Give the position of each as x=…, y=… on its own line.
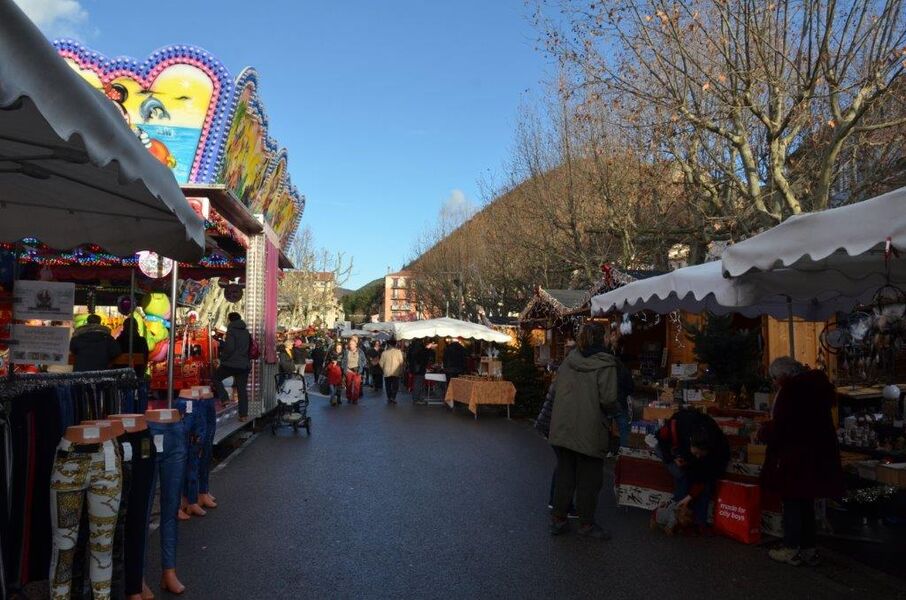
x=737, y=511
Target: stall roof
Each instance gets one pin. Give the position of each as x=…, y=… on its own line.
x=74, y=171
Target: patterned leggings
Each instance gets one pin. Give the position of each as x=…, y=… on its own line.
x=79, y=472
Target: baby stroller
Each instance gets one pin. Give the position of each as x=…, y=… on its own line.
x=292, y=404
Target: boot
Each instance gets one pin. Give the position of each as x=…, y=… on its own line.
x=170, y=583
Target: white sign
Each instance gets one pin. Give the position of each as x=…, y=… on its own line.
x=45, y=300
x=154, y=265
x=40, y=345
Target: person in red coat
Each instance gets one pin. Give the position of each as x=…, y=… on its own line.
x=802, y=460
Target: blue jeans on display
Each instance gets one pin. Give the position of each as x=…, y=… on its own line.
x=196, y=424
x=67, y=407
x=624, y=428
x=171, y=465
x=208, y=409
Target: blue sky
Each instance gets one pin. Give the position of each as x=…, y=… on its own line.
x=389, y=108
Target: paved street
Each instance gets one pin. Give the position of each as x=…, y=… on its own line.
x=415, y=502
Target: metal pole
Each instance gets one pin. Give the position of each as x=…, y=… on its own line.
x=132, y=316
x=171, y=350
x=789, y=306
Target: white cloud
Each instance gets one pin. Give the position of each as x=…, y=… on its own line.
x=456, y=210
x=57, y=18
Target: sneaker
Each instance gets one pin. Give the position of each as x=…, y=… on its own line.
x=572, y=515
x=559, y=527
x=810, y=557
x=550, y=507
x=594, y=532
x=789, y=556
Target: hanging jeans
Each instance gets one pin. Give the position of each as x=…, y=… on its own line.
x=170, y=440
x=208, y=409
x=80, y=472
x=195, y=422
x=132, y=528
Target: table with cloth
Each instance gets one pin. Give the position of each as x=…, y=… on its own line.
x=480, y=390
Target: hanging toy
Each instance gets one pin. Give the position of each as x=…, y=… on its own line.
x=156, y=307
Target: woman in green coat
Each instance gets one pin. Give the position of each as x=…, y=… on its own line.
x=585, y=394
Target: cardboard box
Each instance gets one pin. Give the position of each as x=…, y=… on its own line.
x=654, y=413
x=755, y=454
x=893, y=474
x=868, y=469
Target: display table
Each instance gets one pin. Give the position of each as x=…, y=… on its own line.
x=477, y=390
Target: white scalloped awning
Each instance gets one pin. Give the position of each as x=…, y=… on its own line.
x=71, y=170
x=447, y=327
x=702, y=288
x=850, y=240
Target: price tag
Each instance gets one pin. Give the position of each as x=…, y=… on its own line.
x=129, y=423
x=109, y=458
x=92, y=433
x=127, y=452
x=159, y=442
x=188, y=407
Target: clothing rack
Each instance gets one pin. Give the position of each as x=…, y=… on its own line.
x=24, y=383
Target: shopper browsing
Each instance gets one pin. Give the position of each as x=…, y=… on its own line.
x=802, y=460
x=696, y=453
x=586, y=400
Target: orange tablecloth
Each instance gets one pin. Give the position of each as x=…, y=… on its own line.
x=479, y=391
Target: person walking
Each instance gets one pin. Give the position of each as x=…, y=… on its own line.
x=391, y=364
x=417, y=362
x=334, y=375
x=300, y=355
x=317, y=360
x=586, y=400
x=93, y=346
x=353, y=364
x=374, y=365
x=696, y=453
x=286, y=367
x=234, y=362
x=802, y=459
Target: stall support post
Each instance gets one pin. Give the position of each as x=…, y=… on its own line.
x=792, y=329
x=132, y=315
x=171, y=350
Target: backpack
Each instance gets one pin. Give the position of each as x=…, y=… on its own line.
x=254, y=351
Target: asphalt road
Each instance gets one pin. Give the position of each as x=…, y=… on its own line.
x=415, y=502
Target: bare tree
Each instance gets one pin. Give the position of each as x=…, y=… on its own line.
x=308, y=293
x=755, y=101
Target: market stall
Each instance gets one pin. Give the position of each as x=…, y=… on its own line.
x=93, y=203
x=71, y=161
x=473, y=391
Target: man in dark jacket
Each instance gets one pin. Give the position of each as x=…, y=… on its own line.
x=234, y=362
x=93, y=346
x=696, y=453
x=802, y=461
x=454, y=359
x=417, y=364
x=317, y=360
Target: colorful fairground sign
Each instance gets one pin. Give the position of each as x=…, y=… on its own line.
x=193, y=117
